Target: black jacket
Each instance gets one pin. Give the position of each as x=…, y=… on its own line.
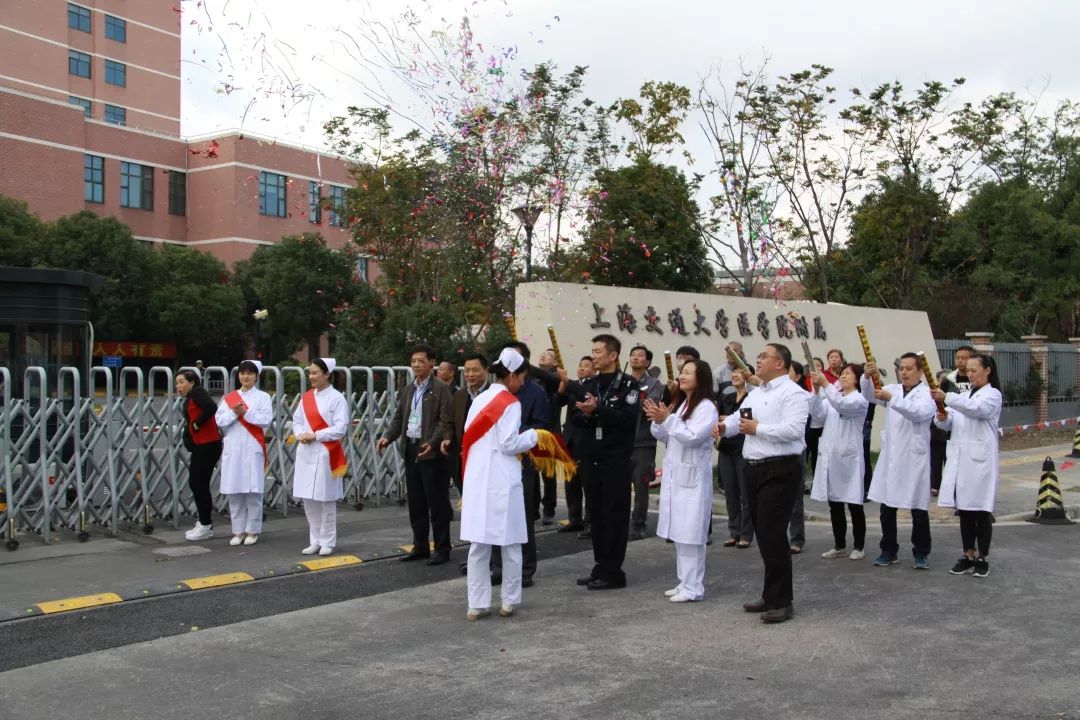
x=616, y=416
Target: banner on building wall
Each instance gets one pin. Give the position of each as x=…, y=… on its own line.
x=134, y=349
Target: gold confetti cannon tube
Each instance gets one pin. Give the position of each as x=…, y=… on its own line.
x=512, y=326
x=555, y=346
x=811, y=366
x=739, y=361
x=925, y=365
x=869, y=354
x=670, y=369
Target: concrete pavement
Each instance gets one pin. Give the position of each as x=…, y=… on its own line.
x=866, y=642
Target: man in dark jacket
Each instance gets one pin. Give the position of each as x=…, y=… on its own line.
x=423, y=420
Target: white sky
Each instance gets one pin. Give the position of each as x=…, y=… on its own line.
x=1027, y=48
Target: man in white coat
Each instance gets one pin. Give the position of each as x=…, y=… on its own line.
x=493, y=501
x=320, y=424
x=242, y=417
x=902, y=474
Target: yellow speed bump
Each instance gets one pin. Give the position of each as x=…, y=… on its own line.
x=216, y=580
x=332, y=561
x=78, y=603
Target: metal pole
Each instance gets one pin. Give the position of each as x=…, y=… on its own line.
x=528, y=252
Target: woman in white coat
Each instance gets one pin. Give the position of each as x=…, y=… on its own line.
x=243, y=417
x=838, y=475
x=686, y=493
x=320, y=424
x=969, y=482
x=493, y=500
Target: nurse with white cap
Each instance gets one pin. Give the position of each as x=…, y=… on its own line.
x=243, y=417
x=320, y=425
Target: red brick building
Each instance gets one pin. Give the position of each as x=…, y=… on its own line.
x=90, y=120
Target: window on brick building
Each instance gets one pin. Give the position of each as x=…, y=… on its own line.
x=78, y=63
x=362, y=268
x=116, y=73
x=337, y=206
x=271, y=194
x=116, y=29
x=115, y=114
x=136, y=186
x=86, y=105
x=78, y=18
x=314, y=202
x=93, y=178
x=177, y=193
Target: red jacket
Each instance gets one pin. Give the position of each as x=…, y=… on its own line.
x=200, y=410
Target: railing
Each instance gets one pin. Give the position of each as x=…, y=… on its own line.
x=113, y=457
x=1020, y=383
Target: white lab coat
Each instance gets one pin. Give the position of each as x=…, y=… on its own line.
x=686, y=493
x=242, y=461
x=902, y=475
x=493, y=500
x=312, y=478
x=838, y=475
x=970, y=479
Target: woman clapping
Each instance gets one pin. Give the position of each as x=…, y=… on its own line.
x=686, y=493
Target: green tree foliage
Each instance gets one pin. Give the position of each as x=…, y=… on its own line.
x=643, y=231
x=22, y=234
x=303, y=284
x=193, y=303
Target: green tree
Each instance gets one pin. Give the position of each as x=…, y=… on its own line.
x=22, y=234
x=303, y=284
x=643, y=231
x=84, y=241
x=193, y=303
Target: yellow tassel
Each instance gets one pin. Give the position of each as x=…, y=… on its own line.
x=554, y=463
x=340, y=471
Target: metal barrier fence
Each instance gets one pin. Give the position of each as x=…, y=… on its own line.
x=1019, y=382
x=114, y=456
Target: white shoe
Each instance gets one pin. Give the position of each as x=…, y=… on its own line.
x=310, y=550
x=200, y=532
x=237, y=539
x=477, y=613
x=856, y=555
x=834, y=553
x=251, y=539
x=506, y=610
x=680, y=598
x=326, y=551
x=672, y=592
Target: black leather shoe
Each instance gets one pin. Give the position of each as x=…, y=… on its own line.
x=548, y=519
x=778, y=615
x=638, y=534
x=601, y=584
x=585, y=580
x=571, y=527
x=526, y=582
x=410, y=557
x=439, y=558
x=755, y=606
x=585, y=534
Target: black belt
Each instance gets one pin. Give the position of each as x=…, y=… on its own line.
x=774, y=458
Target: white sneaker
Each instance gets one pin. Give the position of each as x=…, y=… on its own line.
x=680, y=598
x=506, y=610
x=672, y=592
x=326, y=551
x=200, y=532
x=856, y=555
x=237, y=539
x=251, y=539
x=834, y=553
x=310, y=550
x=477, y=613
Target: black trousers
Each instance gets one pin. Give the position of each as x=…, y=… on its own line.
x=607, y=487
x=937, y=462
x=976, y=529
x=200, y=471
x=920, y=531
x=643, y=472
x=530, y=483
x=772, y=489
x=813, y=439
x=839, y=525
x=550, y=489
x=428, y=493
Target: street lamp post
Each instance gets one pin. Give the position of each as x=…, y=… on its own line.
x=528, y=214
x=259, y=316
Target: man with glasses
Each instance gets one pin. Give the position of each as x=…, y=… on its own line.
x=773, y=419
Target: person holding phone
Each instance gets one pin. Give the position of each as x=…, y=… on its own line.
x=773, y=421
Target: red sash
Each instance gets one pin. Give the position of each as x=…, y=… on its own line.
x=484, y=421
x=232, y=400
x=315, y=422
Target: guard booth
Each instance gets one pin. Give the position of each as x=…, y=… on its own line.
x=44, y=323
